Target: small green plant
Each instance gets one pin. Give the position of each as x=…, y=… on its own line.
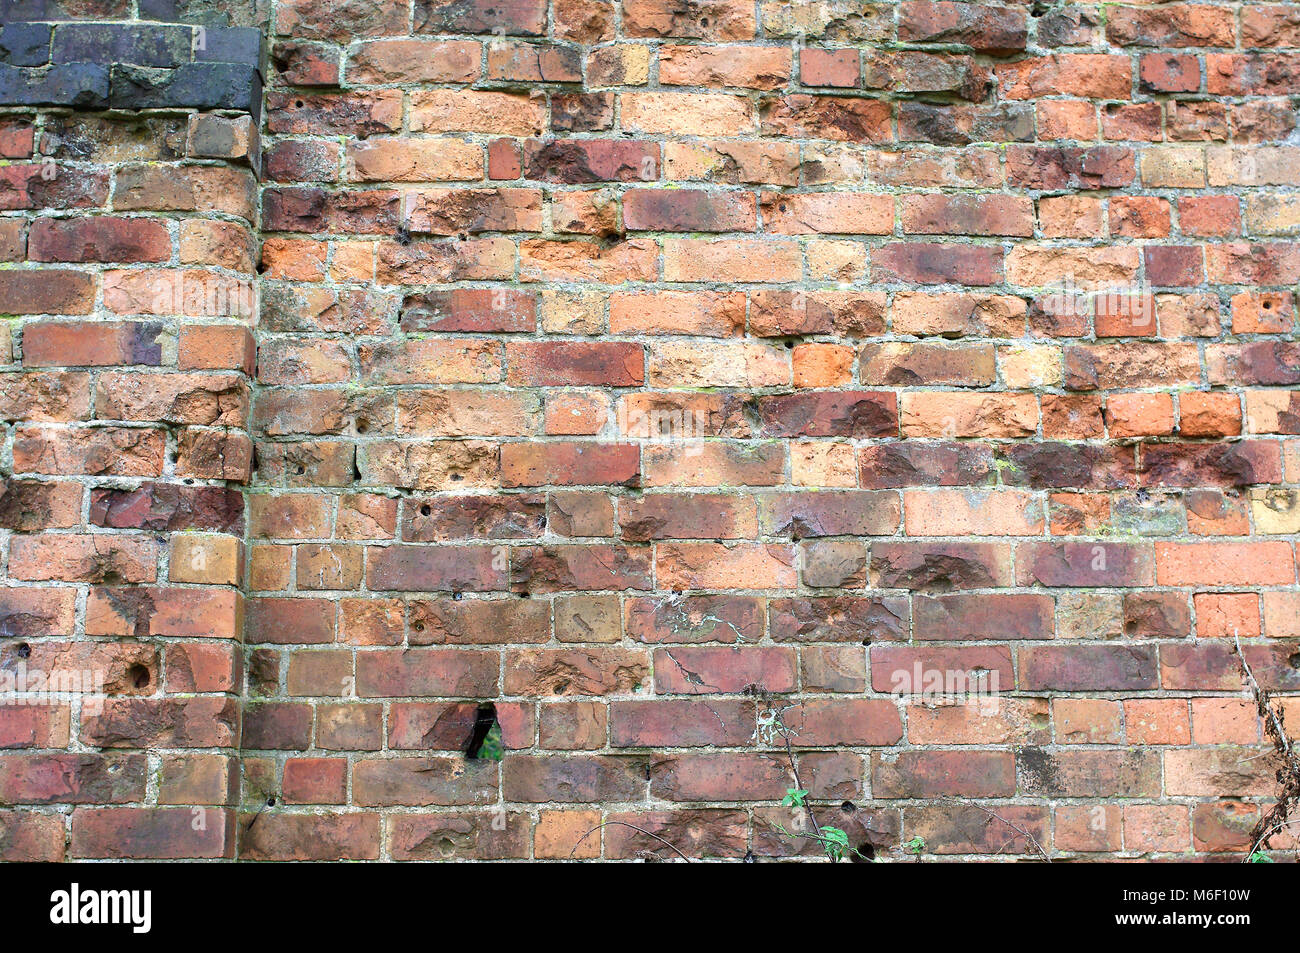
x=492, y=749
x=770, y=730
x=1259, y=857
x=916, y=846
x=836, y=843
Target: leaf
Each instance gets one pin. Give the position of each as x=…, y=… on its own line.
x=835, y=836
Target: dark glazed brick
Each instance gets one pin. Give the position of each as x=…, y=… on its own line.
x=80, y=85
x=157, y=9
x=197, y=85
x=25, y=44
x=245, y=45
x=121, y=43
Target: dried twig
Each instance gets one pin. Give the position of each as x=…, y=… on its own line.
x=639, y=830
x=1288, y=772
x=1015, y=827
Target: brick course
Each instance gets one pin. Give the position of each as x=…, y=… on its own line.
x=635, y=368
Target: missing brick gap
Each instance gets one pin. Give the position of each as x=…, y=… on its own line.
x=139, y=676
x=485, y=740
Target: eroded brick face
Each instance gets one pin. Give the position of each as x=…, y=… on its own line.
x=924, y=372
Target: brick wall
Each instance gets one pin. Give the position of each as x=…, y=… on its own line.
x=130, y=251
x=625, y=372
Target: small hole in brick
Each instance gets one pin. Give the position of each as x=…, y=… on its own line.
x=1294, y=660
x=138, y=676
x=867, y=852
x=24, y=650
x=456, y=478
x=301, y=469
x=426, y=509
x=847, y=807
x=417, y=627
x=1268, y=305
x=298, y=104
x=523, y=594
x=363, y=425
x=457, y=596
x=485, y=739
x=270, y=802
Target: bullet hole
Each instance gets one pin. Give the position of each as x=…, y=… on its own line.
x=138, y=676
x=426, y=509
x=270, y=802
x=417, y=627
x=363, y=425
x=1268, y=305
x=485, y=740
x=848, y=807
x=300, y=469
x=24, y=650
x=298, y=104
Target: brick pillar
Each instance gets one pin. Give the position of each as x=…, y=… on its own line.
x=130, y=248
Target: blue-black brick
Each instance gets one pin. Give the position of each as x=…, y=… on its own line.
x=196, y=85
x=18, y=11
x=164, y=10
x=139, y=44
x=234, y=44
x=82, y=85
x=25, y=44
